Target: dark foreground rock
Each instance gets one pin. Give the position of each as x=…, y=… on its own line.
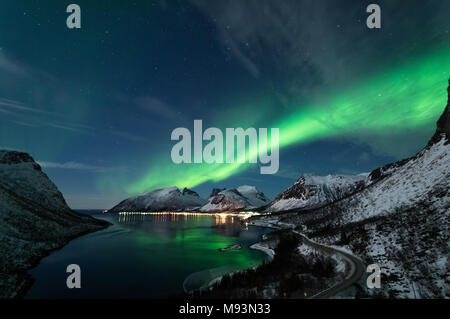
x=34, y=221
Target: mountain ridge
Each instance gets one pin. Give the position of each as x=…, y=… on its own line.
x=236, y=199
x=311, y=191
x=162, y=199
x=175, y=200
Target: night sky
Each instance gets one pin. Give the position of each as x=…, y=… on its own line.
x=96, y=106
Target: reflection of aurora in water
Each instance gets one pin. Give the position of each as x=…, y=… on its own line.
x=149, y=255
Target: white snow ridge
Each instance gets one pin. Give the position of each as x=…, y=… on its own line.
x=241, y=198
x=164, y=199
x=311, y=191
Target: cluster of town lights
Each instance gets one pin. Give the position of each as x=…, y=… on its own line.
x=242, y=215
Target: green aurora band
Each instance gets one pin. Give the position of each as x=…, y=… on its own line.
x=408, y=96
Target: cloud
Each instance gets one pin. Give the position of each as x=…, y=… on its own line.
x=13, y=67
x=158, y=108
x=129, y=136
x=33, y=117
x=289, y=172
x=308, y=45
x=22, y=71
x=5, y=111
x=70, y=128
x=19, y=106
x=239, y=54
x=299, y=39
x=74, y=166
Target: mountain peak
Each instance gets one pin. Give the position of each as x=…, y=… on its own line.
x=163, y=199
x=187, y=191
x=216, y=191
x=14, y=157
x=242, y=198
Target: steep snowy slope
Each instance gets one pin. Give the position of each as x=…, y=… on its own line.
x=242, y=198
x=400, y=221
x=311, y=191
x=164, y=199
x=34, y=219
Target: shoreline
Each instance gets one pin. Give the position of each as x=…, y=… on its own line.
x=27, y=279
x=270, y=253
x=257, y=246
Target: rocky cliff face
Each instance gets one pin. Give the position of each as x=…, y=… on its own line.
x=34, y=220
x=216, y=191
x=443, y=124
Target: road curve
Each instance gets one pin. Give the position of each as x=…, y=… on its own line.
x=357, y=269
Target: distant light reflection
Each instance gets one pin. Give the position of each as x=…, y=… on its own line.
x=221, y=218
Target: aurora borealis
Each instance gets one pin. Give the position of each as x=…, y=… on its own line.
x=96, y=106
x=406, y=97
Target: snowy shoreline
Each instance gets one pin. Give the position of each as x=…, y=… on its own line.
x=269, y=252
x=257, y=246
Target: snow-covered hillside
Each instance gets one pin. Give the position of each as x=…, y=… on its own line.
x=311, y=191
x=400, y=221
x=34, y=219
x=241, y=198
x=415, y=181
x=164, y=199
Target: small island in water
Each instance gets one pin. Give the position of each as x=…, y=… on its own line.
x=231, y=247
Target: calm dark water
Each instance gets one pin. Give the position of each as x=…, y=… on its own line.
x=148, y=256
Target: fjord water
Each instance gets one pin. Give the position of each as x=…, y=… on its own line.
x=148, y=256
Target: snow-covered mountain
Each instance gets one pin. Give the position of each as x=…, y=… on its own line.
x=34, y=219
x=253, y=195
x=399, y=221
x=311, y=191
x=164, y=199
x=241, y=198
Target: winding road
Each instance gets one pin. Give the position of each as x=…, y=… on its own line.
x=357, y=269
